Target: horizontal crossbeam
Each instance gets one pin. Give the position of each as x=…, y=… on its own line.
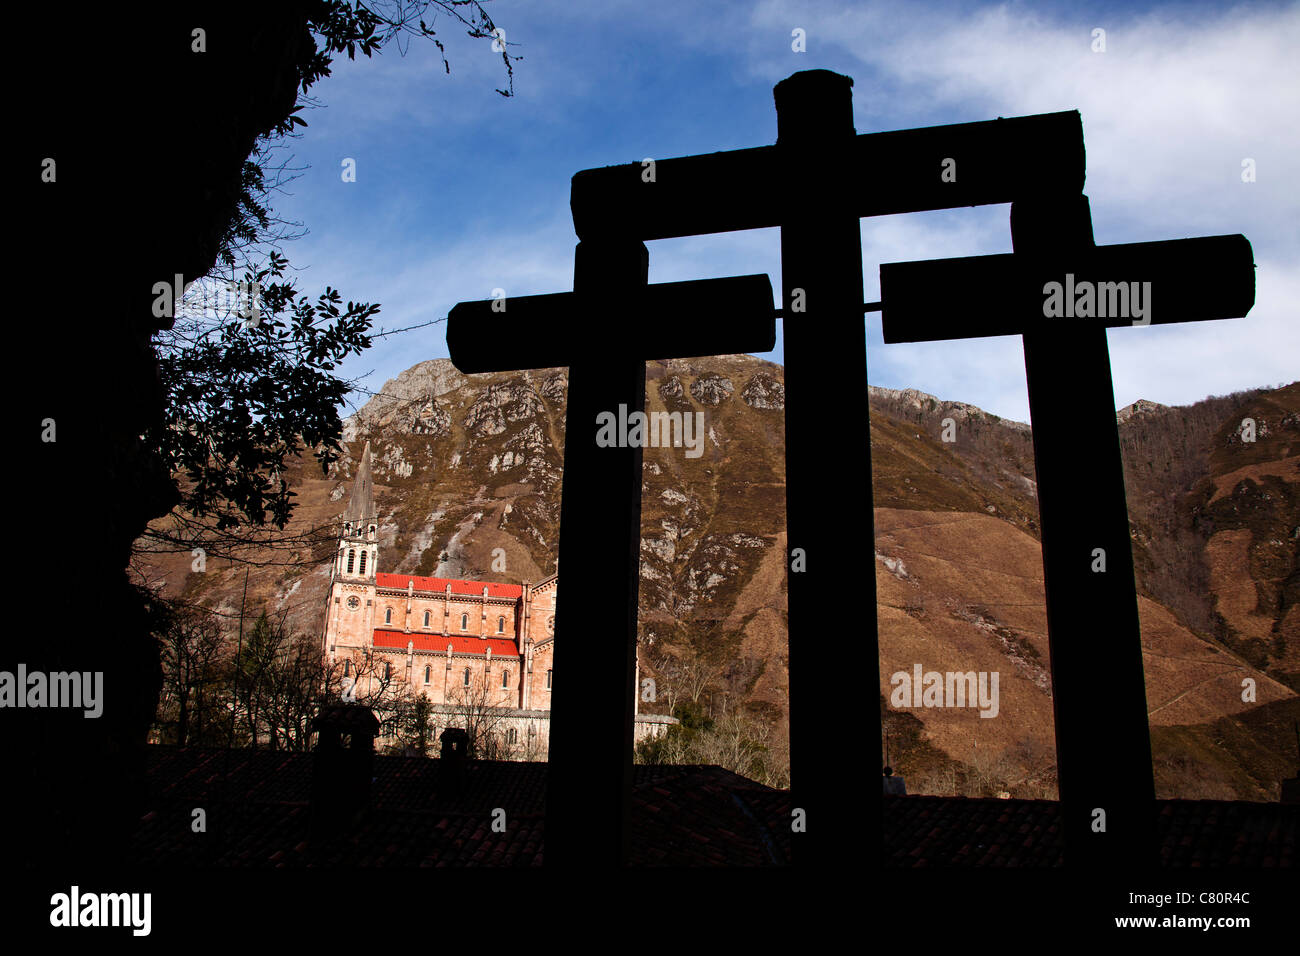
x=866, y=307
x=995, y=161
x=1140, y=283
x=660, y=321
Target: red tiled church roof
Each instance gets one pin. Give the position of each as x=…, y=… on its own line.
x=458, y=586
x=460, y=643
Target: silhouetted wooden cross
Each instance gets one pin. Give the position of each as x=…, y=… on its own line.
x=604, y=331
x=816, y=184
x=1061, y=292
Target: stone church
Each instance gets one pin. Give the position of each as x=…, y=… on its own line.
x=481, y=652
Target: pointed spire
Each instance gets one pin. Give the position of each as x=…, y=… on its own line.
x=361, y=506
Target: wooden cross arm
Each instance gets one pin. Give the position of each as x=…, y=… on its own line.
x=995, y=161
x=1140, y=283
x=659, y=321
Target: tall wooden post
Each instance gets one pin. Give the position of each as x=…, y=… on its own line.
x=590, y=776
x=826, y=421
x=604, y=331
x=1103, y=745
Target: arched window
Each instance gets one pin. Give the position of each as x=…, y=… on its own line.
x=512, y=736
x=347, y=668
x=388, y=615
x=372, y=531
x=427, y=618
x=501, y=625
x=428, y=673
x=351, y=557
x=464, y=622
x=548, y=678
x=388, y=670
x=363, y=562
x=505, y=678
x=467, y=677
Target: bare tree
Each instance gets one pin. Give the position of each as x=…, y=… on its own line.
x=713, y=733
x=475, y=709
x=368, y=677
x=739, y=743
x=281, y=680
x=293, y=688
x=195, y=674
x=531, y=747
x=682, y=677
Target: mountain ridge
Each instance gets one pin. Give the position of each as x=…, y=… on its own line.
x=467, y=465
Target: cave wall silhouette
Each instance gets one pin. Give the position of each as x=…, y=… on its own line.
x=149, y=138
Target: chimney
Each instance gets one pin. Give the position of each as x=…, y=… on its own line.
x=893, y=786
x=451, y=763
x=342, y=767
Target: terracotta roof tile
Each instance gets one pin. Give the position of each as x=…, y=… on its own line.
x=458, y=586
x=258, y=811
x=460, y=643
x=955, y=831
x=259, y=816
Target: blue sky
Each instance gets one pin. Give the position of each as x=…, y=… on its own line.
x=459, y=191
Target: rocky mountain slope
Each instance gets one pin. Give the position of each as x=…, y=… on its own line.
x=1236, y=504
x=467, y=465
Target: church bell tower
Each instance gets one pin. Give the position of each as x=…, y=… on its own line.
x=359, y=545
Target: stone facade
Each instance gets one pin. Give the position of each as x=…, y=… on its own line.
x=481, y=652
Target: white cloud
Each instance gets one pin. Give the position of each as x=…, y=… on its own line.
x=1171, y=108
